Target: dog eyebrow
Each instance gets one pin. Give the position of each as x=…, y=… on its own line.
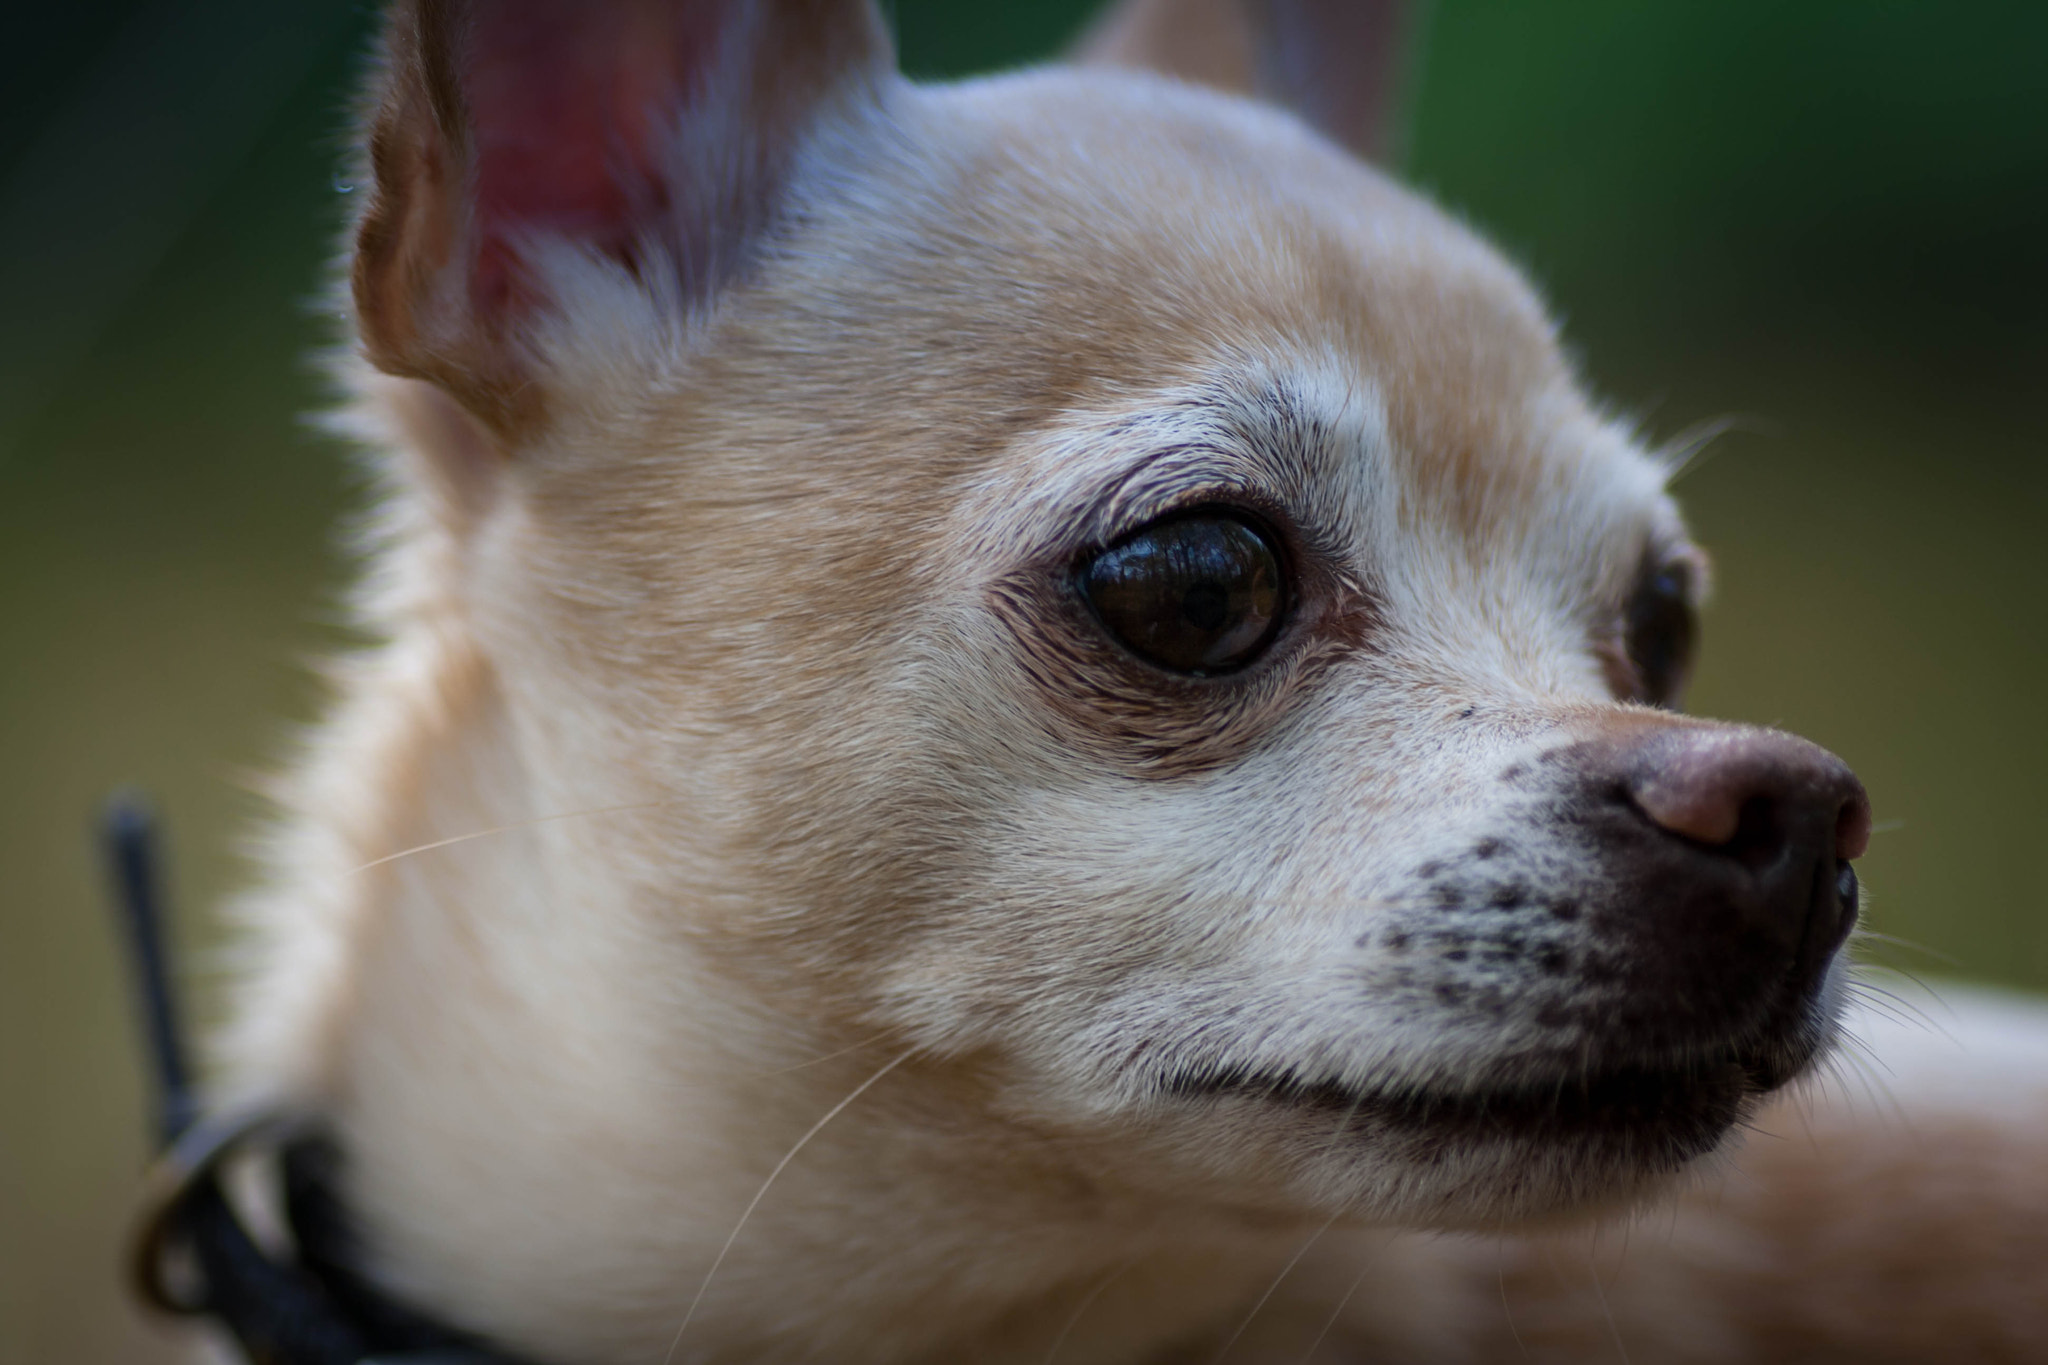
x=1170, y=479
x=1298, y=440
x=1259, y=441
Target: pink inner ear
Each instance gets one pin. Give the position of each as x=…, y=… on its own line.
x=571, y=103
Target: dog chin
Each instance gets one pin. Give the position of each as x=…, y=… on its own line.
x=1549, y=1138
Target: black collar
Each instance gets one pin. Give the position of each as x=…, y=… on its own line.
x=291, y=1299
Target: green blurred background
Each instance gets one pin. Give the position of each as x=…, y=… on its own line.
x=1827, y=222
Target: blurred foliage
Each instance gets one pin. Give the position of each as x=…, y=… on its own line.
x=1822, y=219
x=1873, y=172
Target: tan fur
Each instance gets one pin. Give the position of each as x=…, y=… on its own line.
x=725, y=757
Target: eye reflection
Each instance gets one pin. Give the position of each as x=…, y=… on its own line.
x=1197, y=594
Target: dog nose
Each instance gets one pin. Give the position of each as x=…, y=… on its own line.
x=1750, y=793
x=1787, y=810
x=1718, y=888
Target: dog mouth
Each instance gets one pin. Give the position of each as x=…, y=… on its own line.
x=1658, y=1115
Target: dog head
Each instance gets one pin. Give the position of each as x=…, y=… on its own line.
x=1077, y=581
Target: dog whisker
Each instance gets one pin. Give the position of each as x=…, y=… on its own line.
x=1896, y=1007
x=1893, y=940
x=1863, y=986
x=1689, y=449
x=848, y=1050
x=748, y=1212
x=1800, y=1102
x=1853, y=1045
x=1877, y=1001
x=453, y=840
x=1858, y=1059
x=1606, y=1309
x=1507, y=1314
x=1087, y=1302
x=1628, y=1229
x=1336, y=1313
x=1274, y=1287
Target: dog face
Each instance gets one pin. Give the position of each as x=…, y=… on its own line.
x=1088, y=585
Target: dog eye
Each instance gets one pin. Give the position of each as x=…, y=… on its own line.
x=1196, y=594
x=1661, y=628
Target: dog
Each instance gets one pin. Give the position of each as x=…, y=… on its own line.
x=1033, y=720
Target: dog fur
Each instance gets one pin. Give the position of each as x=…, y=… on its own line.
x=741, y=910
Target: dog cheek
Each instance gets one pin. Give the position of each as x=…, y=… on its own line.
x=1063, y=915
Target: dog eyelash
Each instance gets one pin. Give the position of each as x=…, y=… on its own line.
x=1123, y=512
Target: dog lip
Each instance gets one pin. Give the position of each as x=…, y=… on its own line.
x=1692, y=1101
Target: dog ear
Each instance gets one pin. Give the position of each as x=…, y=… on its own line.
x=653, y=133
x=1336, y=63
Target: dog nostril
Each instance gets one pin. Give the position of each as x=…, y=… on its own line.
x=1759, y=838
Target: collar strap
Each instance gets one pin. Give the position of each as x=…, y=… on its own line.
x=290, y=1299
x=297, y=1304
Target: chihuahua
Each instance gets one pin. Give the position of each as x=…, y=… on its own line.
x=1034, y=721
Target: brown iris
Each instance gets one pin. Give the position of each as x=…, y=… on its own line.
x=1200, y=593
